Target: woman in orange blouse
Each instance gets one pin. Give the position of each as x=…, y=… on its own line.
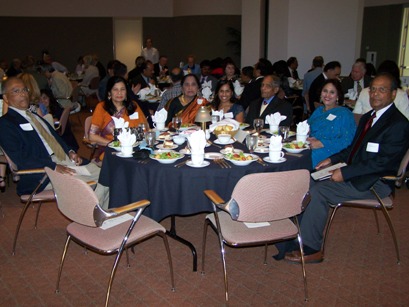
x=117, y=104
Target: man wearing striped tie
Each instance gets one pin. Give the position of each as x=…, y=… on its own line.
x=355, y=82
x=31, y=142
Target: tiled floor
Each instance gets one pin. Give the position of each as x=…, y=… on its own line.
x=359, y=270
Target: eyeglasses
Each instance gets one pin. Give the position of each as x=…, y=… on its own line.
x=19, y=91
x=381, y=90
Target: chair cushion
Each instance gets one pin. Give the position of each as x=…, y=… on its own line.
x=110, y=239
x=46, y=195
x=236, y=233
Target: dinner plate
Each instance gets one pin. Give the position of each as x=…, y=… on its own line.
x=261, y=150
x=120, y=154
x=281, y=160
x=244, y=162
x=204, y=164
x=160, y=146
x=166, y=161
x=191, y=127
x=237, y=151
x=218, y=142
x=117, y=148
x=244, y=126
x=213, y=155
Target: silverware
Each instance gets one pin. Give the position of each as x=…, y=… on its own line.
x=261, y=162
x=181, y=163
x=224, y=163
x=217, y=161
x=214, y=144
x=143, y=161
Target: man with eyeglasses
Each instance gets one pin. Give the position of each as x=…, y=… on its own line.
x=31, y=142
x=380, y=142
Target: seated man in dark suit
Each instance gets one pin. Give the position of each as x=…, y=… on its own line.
x=332, y=70
x=32, y=143
x=146, y=77
x=269, y=103
x=252, y=91
x=205, y=75
x=161, y=68
x=355, y=82
x=378, y=152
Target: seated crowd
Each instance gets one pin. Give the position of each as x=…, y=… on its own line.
x=326, y=102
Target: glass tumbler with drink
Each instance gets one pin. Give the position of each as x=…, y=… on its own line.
x=176, y=123
x=251, y=142
x=258, y=124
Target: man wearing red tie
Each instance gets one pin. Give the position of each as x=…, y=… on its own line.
x=269, y=103
x=380, y=142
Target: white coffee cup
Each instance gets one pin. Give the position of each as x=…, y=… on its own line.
x=159, y=126
x=302, y=137
x=197, y=158
x=126, y=150
x=274, y=129
x=275, y=155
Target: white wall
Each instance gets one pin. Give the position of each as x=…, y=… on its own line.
x=127, y=40
x=333, y=31
x=207, y=7
x=251, y=32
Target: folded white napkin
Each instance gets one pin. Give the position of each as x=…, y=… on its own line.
x=207, y=84
x=206, y=92
x=303, y=128
x=152, y=89
x=275, y=119
x=275, y=143
x=143, y=92
x=220, y=113
x=197, y=141
x=292, y=82
x=126, y=138
x=120, y=122
x=226, y=121
x=352, y=94
x=238, y=88
x=160, y=116
x=185, y=72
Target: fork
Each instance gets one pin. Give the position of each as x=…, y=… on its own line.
x=217, y=161
x=226, y=165
x=143, y=161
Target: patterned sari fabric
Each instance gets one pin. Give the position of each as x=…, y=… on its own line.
x=187, y=113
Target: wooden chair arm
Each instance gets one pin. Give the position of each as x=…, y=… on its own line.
x=131, y=207
x=391, y=178
x=30, y=171
x=214, y=197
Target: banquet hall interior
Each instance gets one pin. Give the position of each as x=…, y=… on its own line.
x=360, y=266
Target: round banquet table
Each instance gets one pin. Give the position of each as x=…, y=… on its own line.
x=179, y=191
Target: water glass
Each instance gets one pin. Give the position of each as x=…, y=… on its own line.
x=176, y=123
x=150, y=138
x=215, y=119
x=284, y=130
x=258, y=124
x=117, y=131
x=251, y=142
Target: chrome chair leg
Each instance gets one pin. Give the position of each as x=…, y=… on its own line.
x=166, y=242
x=324, y=241
x=37, y=214
x=205, y=226
x=377, y=221
x=64, y=253
x=20, y=221
x=265, y=254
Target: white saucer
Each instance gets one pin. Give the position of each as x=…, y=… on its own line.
x=120, y=154
x=220, y=143
x=204, y=164
x=281, y=160
x=261, y=149
x=185, y=151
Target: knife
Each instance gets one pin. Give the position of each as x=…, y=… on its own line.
x=294, y=154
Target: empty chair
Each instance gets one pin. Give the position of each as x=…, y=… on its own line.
x=34, y=197
x=78, y=202
x=375, y=204
x=269, y=198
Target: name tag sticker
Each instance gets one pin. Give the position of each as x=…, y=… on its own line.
x=26, y=127
x=228, y=115
x=135, y=115
x=372, y=147
x=331, y=117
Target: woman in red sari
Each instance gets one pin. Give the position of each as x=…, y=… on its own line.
x=188, y=103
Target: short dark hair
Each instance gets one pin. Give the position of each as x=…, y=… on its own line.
x=318, y=61
x=332, y=65
x=190, y=75
x=265, y=67
x=392, y=79
x=248, y=71
x=175, y=77
x=291, y=60
x=205, y=63
x=389, y=66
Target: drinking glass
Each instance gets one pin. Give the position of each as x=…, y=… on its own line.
x=215, y=119
x=117, y=131
x=284, y=130
x=150, y=138
x=176, y=123
x=251, y=142
x=258, y=124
